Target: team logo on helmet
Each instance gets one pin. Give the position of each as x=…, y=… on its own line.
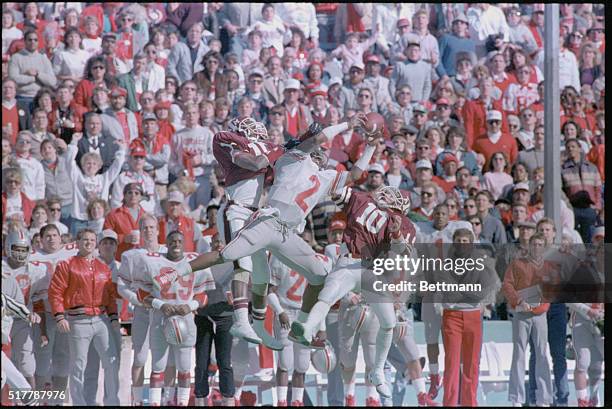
x=324, y=360
x=176, y=329
x=388, y=197
x=17, y=238
x=249, y=128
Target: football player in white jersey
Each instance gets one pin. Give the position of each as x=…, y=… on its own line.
x=174, y=296
x=285, y=297
x=440, y=233
x=31, y=278
x=301, y=181
x=127, y=279
x=358, y=326
x=52, y=352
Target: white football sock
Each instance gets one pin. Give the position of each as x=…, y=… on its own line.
x=155, y=396
x=371, y=391
x=297, y=394
x=349, y=389
x=581, y=393
x=281, y=392
x=419, y=385
x=384, y=338
x=169, y=395
x=182, y=396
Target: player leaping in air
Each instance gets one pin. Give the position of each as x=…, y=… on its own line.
x=374, y=220
x=301, y=181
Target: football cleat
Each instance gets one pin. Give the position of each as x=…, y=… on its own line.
x=377, y=378
x=584, y=403
x=424, y=400
x=299, y=334
x=372, y=402
x=245, y=331
x=297, y=403
x=281, y=403
x=434, y=386
x=349, y=401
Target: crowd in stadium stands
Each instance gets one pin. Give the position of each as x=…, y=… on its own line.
x=97, y=97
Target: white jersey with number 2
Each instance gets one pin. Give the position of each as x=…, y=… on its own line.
x=290, y=283
x=299, y=185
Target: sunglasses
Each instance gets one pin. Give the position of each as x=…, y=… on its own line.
x=495, y=121
x=443, y=106
x=276, y=113
x=55, y=209
x=476, y=223
x=423, y=148
x=256, y=81
x=98, y=67
x=469, y=206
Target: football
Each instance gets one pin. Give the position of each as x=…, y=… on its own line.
x=375, y=122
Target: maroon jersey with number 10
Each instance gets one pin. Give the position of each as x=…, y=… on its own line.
x=367, y=232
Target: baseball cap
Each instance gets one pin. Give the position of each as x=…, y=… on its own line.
x=133, y=185
x=138, y=150
x=292, y=83
x=494, y=116
x=527, y=223
x=423, y=163
x=337, y=224
x=256, y=72
x=377, y=167
x=461, y=17
x=358, y=65
x=175, y=196
x=372, y=58
x=148, y=116
x=118, y=92
x=599, y=231
x=520, y=186
x=320, y=90
x=442, y=101
x=402, y=22
x=335, y=81
x=110, y=36
x=409, y=128
x=412, y=39
x=107, y=234
x=418, y=108
x=449, y=158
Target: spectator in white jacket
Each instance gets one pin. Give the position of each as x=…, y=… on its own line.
x=302, y=16
x=33, y=174
x=485, y=20
x=568, y=66
x=88, y=185
x=272, y=29
x=154, y=72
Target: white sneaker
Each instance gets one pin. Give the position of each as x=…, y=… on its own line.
x=377, y=378
x=245, y=331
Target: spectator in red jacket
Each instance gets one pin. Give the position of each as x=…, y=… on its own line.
x=494, y=140
x=124, y=220
x=475, y=111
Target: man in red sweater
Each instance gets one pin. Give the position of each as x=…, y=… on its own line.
x=495, y=140
x=82, y=298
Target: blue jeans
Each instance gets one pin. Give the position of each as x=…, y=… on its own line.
x=27, y=100
x=335, y=387
x=557, y=326
x=585, y=219
x=77, y=225
x=223, y=351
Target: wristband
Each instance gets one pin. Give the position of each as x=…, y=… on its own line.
x=194, y=305
x=364, y=160
x=157, y=303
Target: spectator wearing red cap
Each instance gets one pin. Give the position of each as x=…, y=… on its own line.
x=157, y=152
x=447, y=179
x=335, y=234
x=320, y=107
x=495, y=140
x=119, y=120
x=375, y=81
x=136, y=174
x=176, y=219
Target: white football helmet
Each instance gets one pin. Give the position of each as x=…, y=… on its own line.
x=388, y=197
x=17, y=238
x=249, y=128
x=176, y=329
x=357, y=315
x=324, y=360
